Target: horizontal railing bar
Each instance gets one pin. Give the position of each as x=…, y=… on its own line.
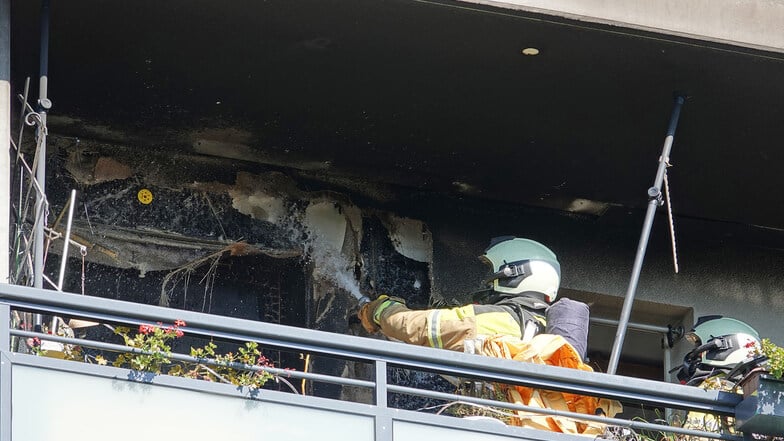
x=631, y=325
x=189, y=359
x=193, y=330
x=560, y=413
x=450, y=362
x=574, y=385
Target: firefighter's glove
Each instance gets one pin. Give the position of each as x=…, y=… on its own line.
x=370, y=313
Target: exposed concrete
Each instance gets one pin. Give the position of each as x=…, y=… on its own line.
x=257, y=203
x=751, y=23
x=328, y=233
x=190, y=220
x=410, y=238
x=324, y=220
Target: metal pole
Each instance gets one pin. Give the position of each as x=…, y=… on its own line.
x=654, y=200
x=667, y=362
x=5, y=136
x=40, y=174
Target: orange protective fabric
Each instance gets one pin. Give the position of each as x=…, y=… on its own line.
x=552, y=350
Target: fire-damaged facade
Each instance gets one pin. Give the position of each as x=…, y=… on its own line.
x=277, y=161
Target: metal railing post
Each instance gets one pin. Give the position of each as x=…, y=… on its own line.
x=5, y=372
x=5, y=331
x=383, y=420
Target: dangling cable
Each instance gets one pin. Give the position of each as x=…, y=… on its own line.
x=671, y=222
x=83, y=252
x=305, y=370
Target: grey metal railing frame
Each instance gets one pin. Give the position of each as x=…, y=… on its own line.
x=382, y=354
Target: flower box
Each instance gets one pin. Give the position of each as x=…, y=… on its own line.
x=762, y=409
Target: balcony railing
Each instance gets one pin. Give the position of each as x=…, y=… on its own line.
x=47, y=398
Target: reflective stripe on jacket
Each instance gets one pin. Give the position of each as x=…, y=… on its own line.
x=449, y=328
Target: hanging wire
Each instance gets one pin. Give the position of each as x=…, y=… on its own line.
x=671, y=221
x=83, y=252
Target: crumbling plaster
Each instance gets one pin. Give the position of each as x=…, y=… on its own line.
x=266, y=209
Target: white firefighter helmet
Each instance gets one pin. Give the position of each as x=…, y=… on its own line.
x=719, y=343
x=728, y=341
x=522, y=266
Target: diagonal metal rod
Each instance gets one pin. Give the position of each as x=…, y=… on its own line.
x=67, y=241
x=654, y=200
x=23, y=246
x=22, y=113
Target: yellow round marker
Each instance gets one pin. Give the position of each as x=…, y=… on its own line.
x=145, y=196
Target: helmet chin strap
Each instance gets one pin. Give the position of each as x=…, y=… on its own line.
x=688, y=370
x=532, y=299
x=511, y=270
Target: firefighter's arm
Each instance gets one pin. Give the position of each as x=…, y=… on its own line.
x=370, y=313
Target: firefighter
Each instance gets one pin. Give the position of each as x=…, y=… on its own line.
x=721, y=344
x=518, y=321
x=525, y=280
x=725, y=350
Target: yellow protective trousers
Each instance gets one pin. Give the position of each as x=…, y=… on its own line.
x=446, y=328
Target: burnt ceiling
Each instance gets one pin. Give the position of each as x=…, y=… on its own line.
x=429, y=95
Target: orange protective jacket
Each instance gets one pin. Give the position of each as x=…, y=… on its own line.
x=552, y=350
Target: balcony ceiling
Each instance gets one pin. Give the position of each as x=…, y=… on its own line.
x=430, y=95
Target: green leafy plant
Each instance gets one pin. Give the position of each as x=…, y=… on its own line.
x=775, y=356
x=153, y=353
x=228, y=368
x=152, y=341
